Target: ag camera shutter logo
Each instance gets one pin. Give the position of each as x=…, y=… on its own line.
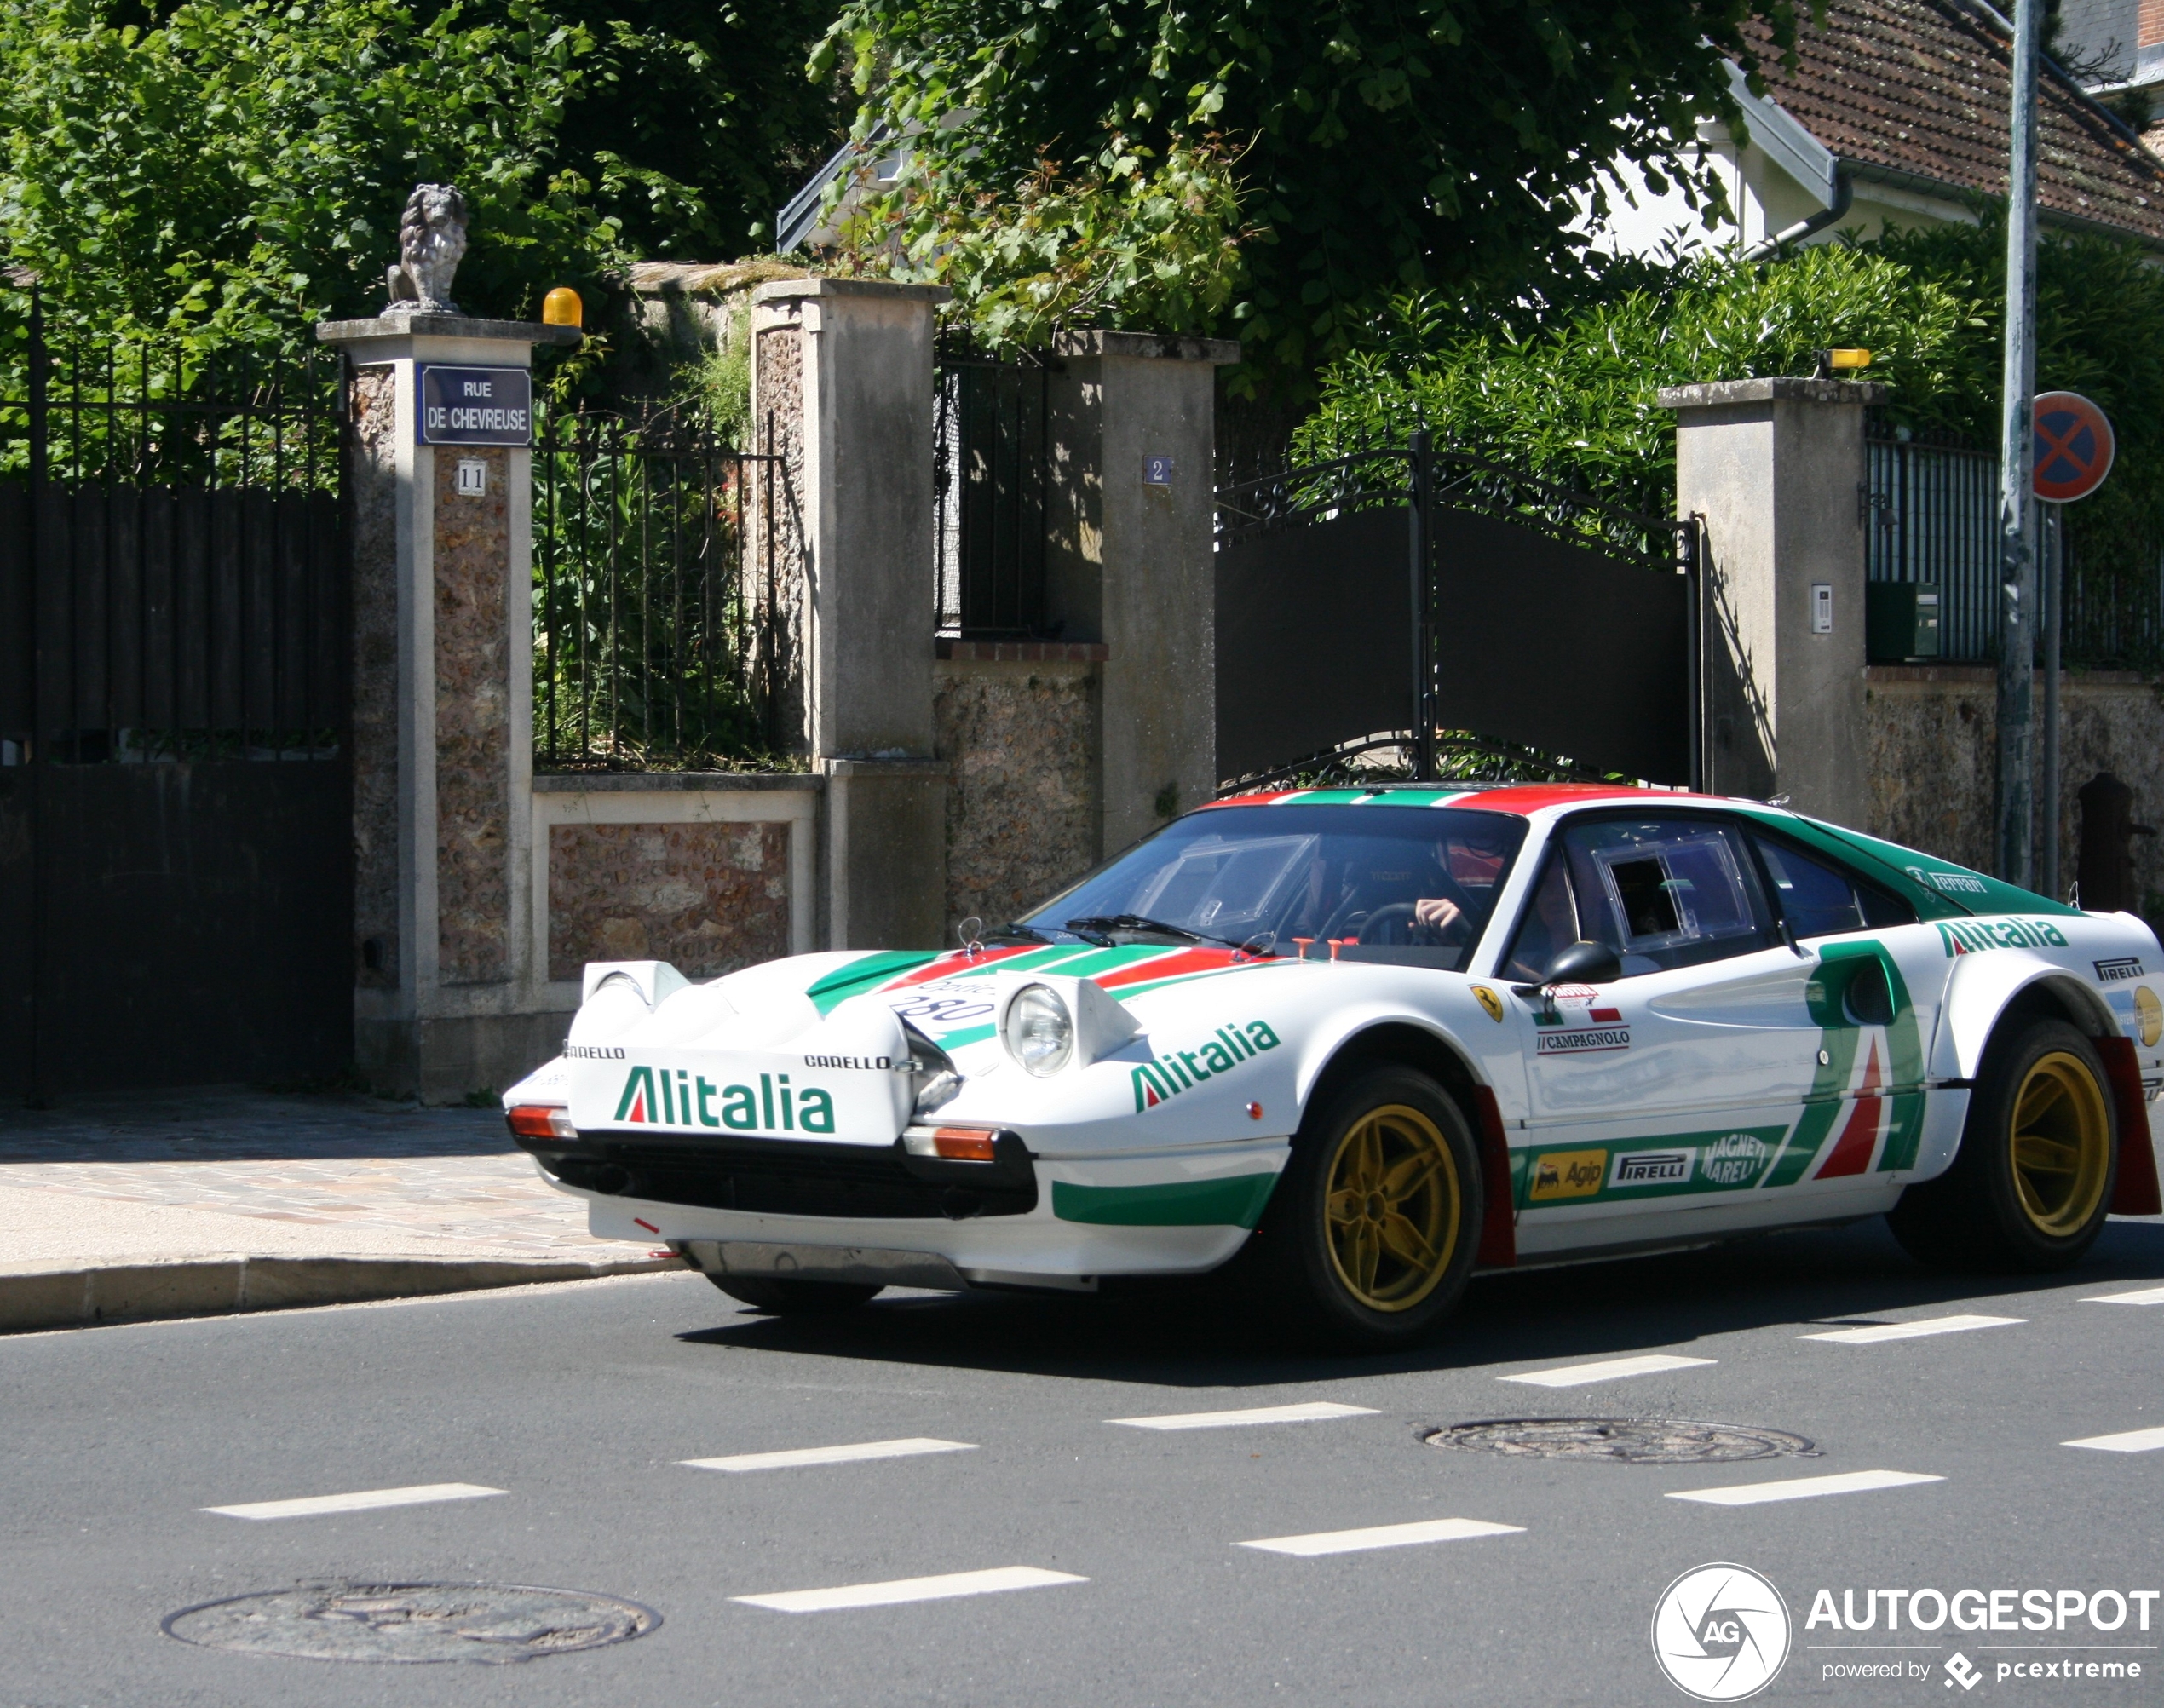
x=1720, y=1632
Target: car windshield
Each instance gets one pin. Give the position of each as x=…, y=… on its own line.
x=1407, y=884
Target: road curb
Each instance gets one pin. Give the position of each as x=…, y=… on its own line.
x=69, y=1296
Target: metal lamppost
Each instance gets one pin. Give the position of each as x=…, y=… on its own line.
x=2015, y=839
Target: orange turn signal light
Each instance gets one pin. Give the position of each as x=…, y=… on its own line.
x=541, y=1121
x=962, y=1144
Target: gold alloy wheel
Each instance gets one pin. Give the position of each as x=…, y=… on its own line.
x=1392, y=1208
x=2061, y=1139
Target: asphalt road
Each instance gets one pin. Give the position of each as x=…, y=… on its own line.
x=580, y=1403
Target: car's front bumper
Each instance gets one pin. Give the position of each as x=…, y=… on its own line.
x=1020, y=1220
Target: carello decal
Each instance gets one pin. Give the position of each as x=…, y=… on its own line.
x=666, y=1096
x=1183, y=1070
x=1971, y=936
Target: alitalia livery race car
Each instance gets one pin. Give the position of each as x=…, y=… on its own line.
x=1362, y=1042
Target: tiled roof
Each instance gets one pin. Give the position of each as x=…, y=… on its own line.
x=1920, y=89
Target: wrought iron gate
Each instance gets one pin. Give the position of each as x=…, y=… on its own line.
x=175, y=817
x=1382, y=600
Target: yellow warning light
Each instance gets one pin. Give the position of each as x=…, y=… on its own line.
x=1851, y=361
x=562, y=308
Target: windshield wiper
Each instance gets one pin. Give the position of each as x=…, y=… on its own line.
x=1015, y=928
x=1093, y=927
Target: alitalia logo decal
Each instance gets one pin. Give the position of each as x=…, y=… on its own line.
x=1183, y=1070
x=670, y=1097
x=1972, y=936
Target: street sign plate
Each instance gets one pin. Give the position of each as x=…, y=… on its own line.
x=2074, y=447
x=476, y=406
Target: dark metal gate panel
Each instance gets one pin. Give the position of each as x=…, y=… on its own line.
x=175, y=792
x=1315, y=638
x=1548, y=645
x=1399, y=598
x=195, y=922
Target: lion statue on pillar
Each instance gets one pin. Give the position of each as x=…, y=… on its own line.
x=431, y=242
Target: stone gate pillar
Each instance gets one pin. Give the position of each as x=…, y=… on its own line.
x=842, y=394
x=1132, y=559
x=1775, y=467
x=444, y=998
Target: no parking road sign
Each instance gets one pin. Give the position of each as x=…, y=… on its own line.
x=2074, y=446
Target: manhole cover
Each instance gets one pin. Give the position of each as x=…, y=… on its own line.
x=490, y=1622
x=1634, y=1440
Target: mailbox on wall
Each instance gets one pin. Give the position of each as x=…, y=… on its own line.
x=1900, y=621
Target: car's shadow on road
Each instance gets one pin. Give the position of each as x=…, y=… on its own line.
x=1201, y=1336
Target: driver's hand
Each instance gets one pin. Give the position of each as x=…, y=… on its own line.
x=1437, y=911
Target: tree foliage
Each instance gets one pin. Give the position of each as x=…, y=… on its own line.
x=1388, y=147
x=221, y=173
x=1119, y=243
x=1577, y=401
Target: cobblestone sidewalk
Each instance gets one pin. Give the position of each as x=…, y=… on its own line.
x=337, y=1173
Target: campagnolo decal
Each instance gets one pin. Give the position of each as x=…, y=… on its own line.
x=2124, y=967
x=1973, y=936
x=863, y=1064
x=1582, y=1040
x=1183, y=1070
x=594, y=1052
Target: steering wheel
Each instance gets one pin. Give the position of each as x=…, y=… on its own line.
x=1396, y=925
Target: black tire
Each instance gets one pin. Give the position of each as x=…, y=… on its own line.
x=799, y=1298
x=1316, y=1258
x=2003, y=1207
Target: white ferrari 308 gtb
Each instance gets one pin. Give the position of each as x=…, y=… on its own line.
x=1367, y=1041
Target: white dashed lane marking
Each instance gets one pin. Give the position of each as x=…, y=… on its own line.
x=2147, y=1295
x=1802, y=1488
x=2133, y=1441
x=420, y=1494
x=1873, y=1333
x=899, y=1590
x=904, y=1448
x=1383, y=1536
x=1313, y=1411
x=1606, y=1370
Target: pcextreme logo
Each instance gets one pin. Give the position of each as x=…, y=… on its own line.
x=667, y=1096
x=1720, y=1632
x=1183, y=1070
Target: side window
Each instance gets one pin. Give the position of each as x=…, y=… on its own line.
x=1551, y=925
x=1666, y=892
x=1818, y=898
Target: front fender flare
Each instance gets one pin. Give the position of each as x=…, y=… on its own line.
x=1498, y=1217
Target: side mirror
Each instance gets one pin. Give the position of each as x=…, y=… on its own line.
x=1585, y=963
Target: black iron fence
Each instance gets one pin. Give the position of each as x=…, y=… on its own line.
x=173, y=594
x=172, y=582
x=991, y=469
x=1931, y=514
x=1441, y=603
x=661, y=641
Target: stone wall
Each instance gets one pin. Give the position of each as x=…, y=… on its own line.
x=372, y=487
x=709, y=897
x=1933, y=761
x=1018, y=726
x=473, y=677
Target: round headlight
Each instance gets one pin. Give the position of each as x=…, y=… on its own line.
x=1037, y=1030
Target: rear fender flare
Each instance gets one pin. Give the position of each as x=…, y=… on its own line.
x=1499, y=1232
x=1979, y=992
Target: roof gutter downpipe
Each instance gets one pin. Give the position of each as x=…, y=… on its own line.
x=1844, y=193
